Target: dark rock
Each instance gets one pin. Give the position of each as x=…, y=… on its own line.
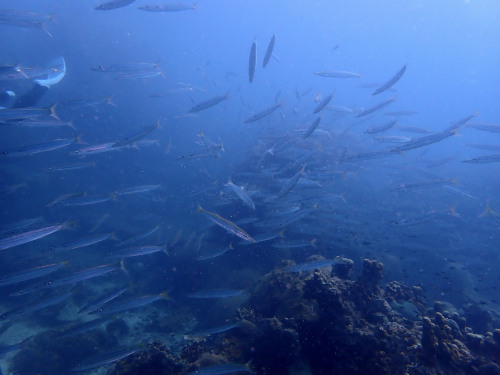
x=344, y=269
x=154, y=360
x=372, y=272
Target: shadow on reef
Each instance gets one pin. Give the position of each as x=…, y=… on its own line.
x=323, y=322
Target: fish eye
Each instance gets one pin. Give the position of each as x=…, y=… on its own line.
x=4, y=152
x=99, y=310
x=49, y=283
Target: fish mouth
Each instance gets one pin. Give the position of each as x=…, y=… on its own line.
x=55, y=73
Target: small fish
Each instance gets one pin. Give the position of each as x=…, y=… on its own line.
x=393, y=139
x=425, y=184
x=126, y=67
x=381, y=128
x=207, y=151
x=376, y=107
x=83, y=242
x=29, y=236
x=215, y=254
x=139, y=236
x=131, y=304
x=137, y=136
x=39, y=148
x=291, y=183
x=85, y=200
x=323, y=103
x=168, y=7
x=424, y=141
x=9, y=114
x=309, y=266
x=209, y=103
x=70, y=167
x=19, y=225
x=210, y=331
x=96, y=149
x=420, y=219
x=39, y=123
x=311, y=128
x=113, y=4
x=226, y=224
x=222, y=369
x=390, y=82
x=27, y=19
x=338, y=74
x=242, y=194
x=137, y=189
x=400, y=113
x=139, y=75
x=86, y=274
x=101, y=301
x=140, y=251
x=269, y=51
x=252, y=61
x=294, y=244
x=216, y=293
x=262, y=114
x=31, y=274
x=483, y=159
x=104, y=359
x=485, y=127
x=90, y=102
x=367, y=156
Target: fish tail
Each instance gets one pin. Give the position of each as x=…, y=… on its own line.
x=53, y=112
x=109, y=101
x=122, y=267
x=164, y=248
x=42, y=24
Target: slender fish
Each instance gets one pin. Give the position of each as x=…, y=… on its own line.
x=209, y=103
x=139, y=236
x=269, y=51
x=309, y=266
x=323, y=103
x=483, y=159
x=376, y=107
x=226, y=224
x=262, y=114
x=168, y=7
x=131, y=304
x=252, y=61
x=390, y=82
x=338, y=74
x=216, y=293
x=311, y=128
x=113, y=4
x=136, y=136
x=242, y=194
x=32, y=235
x=381, y=128
x=104, y=359
x=101, y=301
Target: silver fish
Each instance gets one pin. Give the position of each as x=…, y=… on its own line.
x=113, y=4
x=252, y=61
x=269, y=51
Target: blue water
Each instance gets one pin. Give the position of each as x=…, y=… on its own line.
x=450, y=48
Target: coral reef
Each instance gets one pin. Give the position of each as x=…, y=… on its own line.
x=325, y=322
